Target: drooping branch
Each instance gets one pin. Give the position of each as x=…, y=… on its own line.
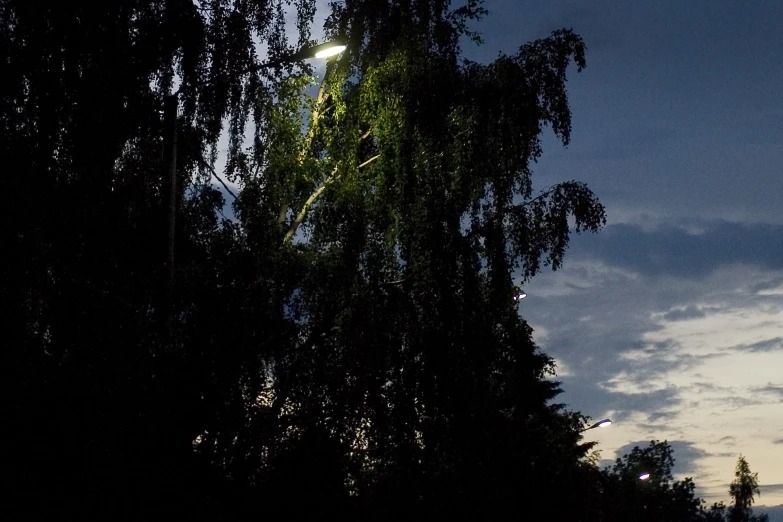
x=215, y=175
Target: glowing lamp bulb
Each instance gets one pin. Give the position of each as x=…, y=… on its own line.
x=330, y=51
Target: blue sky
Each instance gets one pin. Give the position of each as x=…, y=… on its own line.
x=670, y=320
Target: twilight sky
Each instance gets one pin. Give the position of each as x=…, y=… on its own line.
x=670, y=320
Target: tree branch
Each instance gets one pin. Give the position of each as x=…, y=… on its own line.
x=315, y=195
x=397, y=282
x=543, y=194
x=303, y=212
x=209, y=167
x=315, y=118
x=369, y=161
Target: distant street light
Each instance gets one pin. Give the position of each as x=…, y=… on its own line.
x=520, y=295
x=600, y=424
x=644, y=476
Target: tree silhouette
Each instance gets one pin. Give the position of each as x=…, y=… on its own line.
x=658, y=498
x=743, y=490
x=349, y=343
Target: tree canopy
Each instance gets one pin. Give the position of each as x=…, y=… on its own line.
x=348, y=343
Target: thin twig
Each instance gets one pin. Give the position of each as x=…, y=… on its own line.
x=397, y=282
x=546, y=192
x=206, y=165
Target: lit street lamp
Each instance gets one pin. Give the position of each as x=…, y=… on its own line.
x=600, y=424
x=324, y=50
x=644, y=476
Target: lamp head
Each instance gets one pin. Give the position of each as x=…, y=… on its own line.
x=324, y=50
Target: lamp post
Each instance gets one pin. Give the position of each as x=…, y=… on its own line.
x=519, y=294
x=600, y=424
x=170, y=114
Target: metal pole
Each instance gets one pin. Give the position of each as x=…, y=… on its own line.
x=170, y=109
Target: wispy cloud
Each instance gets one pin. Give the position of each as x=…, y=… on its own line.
x=760, y=346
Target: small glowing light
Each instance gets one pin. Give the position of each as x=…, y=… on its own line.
x=330, y=51
x=519, y=296
x=644, y=476
x=604, y=423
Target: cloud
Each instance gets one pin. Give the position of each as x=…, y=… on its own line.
x=666, y=283
x=777, y=441
x=671, y=250
x=771, y=389
x=687, y=456
x=769, y=287
x=771, y=488
x=682, y=354
x=605, y=463
x=678, y=314
x=760, y=346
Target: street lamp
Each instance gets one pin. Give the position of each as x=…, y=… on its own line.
x=170, y=113
x=600, y=424
x=644, y=476
x=521, y=295
x=325, y=50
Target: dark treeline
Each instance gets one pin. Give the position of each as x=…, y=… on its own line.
x=346, y=343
